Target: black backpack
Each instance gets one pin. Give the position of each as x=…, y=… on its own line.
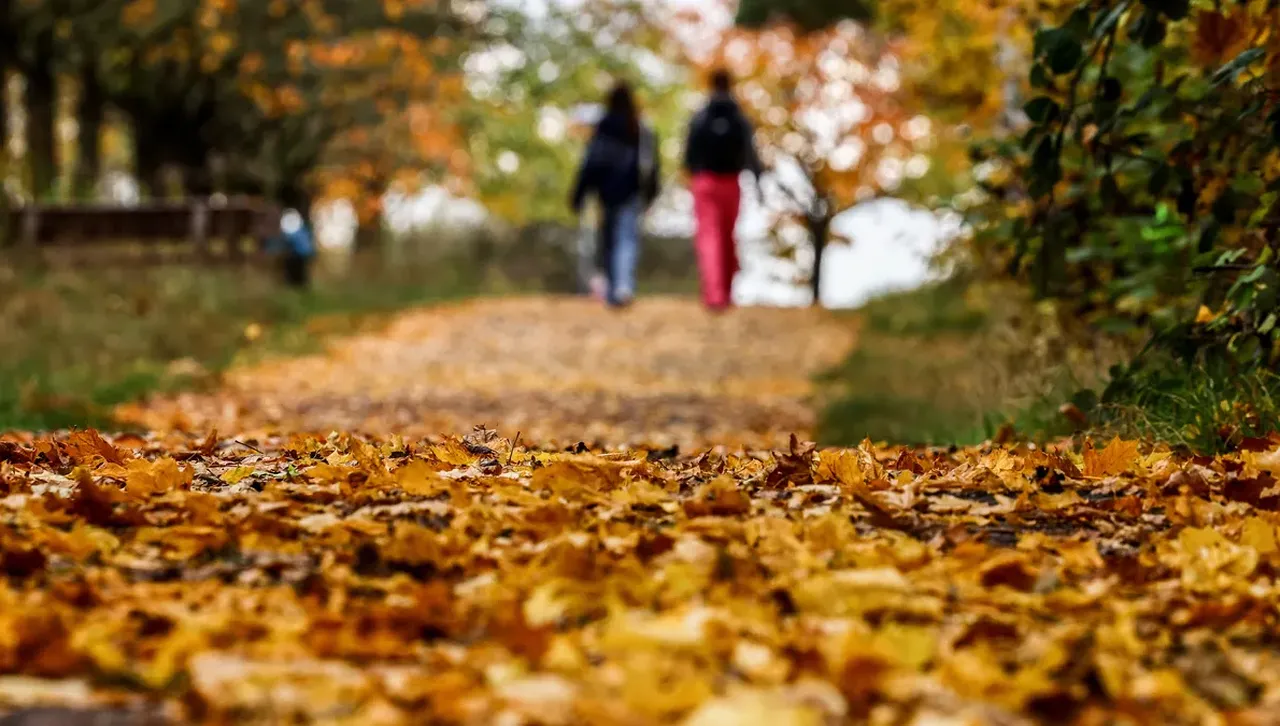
x=721, y=139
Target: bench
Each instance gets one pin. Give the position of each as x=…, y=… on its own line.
x=160, y=233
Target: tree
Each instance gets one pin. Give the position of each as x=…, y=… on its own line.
x=291, y=75
x=831, y=121
x=260, y=91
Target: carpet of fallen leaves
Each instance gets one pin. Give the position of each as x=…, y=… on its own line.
x=556, y=370
x=345, y=580
x=384, y=578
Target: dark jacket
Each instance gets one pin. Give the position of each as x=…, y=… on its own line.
x=721, y=140
x=618, y=167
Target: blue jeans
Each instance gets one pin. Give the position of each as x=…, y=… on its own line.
x=619, y=250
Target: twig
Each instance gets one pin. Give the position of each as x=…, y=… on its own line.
x=251, y=448
x=1221, y=268
x=514, y=443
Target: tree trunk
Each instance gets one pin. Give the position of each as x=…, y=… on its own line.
x=294, y=195
x=89, y=136
x=197, y=178
x=42, y=148
x=369, y=233
x=148, y=160
x=820, y=232
x=369, y=230
x=4, y=104
x=7, y=43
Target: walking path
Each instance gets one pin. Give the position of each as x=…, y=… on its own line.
x=267, y=576
x=556, y=370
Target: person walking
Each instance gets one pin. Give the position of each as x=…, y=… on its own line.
x=721, y=145
x=621, y=169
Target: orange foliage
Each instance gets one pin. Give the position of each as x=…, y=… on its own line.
x=830, y=103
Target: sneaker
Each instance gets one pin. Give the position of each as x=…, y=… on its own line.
x=598, y=287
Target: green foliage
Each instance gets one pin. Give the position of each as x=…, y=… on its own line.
x=1142, y=197
x=808, y=14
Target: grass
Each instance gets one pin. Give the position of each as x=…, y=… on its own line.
x=79, y=342
x=952, y=363
x=1203, y=409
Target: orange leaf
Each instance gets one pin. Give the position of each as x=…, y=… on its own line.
x=145, y=478
x=84, y=446
x=1118, y=458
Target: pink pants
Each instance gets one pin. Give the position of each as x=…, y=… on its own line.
x=716, y=201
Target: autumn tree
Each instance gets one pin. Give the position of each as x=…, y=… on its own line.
x=290, y=77
x=241, y=97
x=830, y=121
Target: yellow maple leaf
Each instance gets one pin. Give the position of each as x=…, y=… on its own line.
x=420, y=479
x=1118, y=458
x=145, y=478
x=237, y=475
x=1260, y=535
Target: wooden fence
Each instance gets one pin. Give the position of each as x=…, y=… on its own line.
x=165, y=233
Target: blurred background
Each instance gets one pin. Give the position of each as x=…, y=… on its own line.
x=1027, y=167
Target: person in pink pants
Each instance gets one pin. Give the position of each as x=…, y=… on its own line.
x=721, y=145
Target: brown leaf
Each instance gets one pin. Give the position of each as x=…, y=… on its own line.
x=1009, y=570
x=1219, y=37
x=720, y=498
x=795, y=468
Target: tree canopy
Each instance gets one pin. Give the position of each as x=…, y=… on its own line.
x=248, y=97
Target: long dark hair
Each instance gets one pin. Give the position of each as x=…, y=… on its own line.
x=622, y=105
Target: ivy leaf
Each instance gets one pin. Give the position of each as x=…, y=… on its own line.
x=1173, y=9
x=1159, y=180
x=1042, y=109
x=1064, y=54
x=1045, y=169
x=1224, y=207
x=1268, y=325
x=1110, y=90
x=1110, y=193
x=1150, y=29
x=1078, y=24
x=1246, y=348
x=1040, y=77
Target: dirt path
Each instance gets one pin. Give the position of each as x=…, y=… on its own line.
x=557, y=370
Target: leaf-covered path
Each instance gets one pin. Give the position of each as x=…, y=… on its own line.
x=556, y=370
x=406, y=577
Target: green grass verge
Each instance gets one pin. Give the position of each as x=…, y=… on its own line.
x=1203, y=409
x=951, y=363
x=77, y=343
x=944, y=365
